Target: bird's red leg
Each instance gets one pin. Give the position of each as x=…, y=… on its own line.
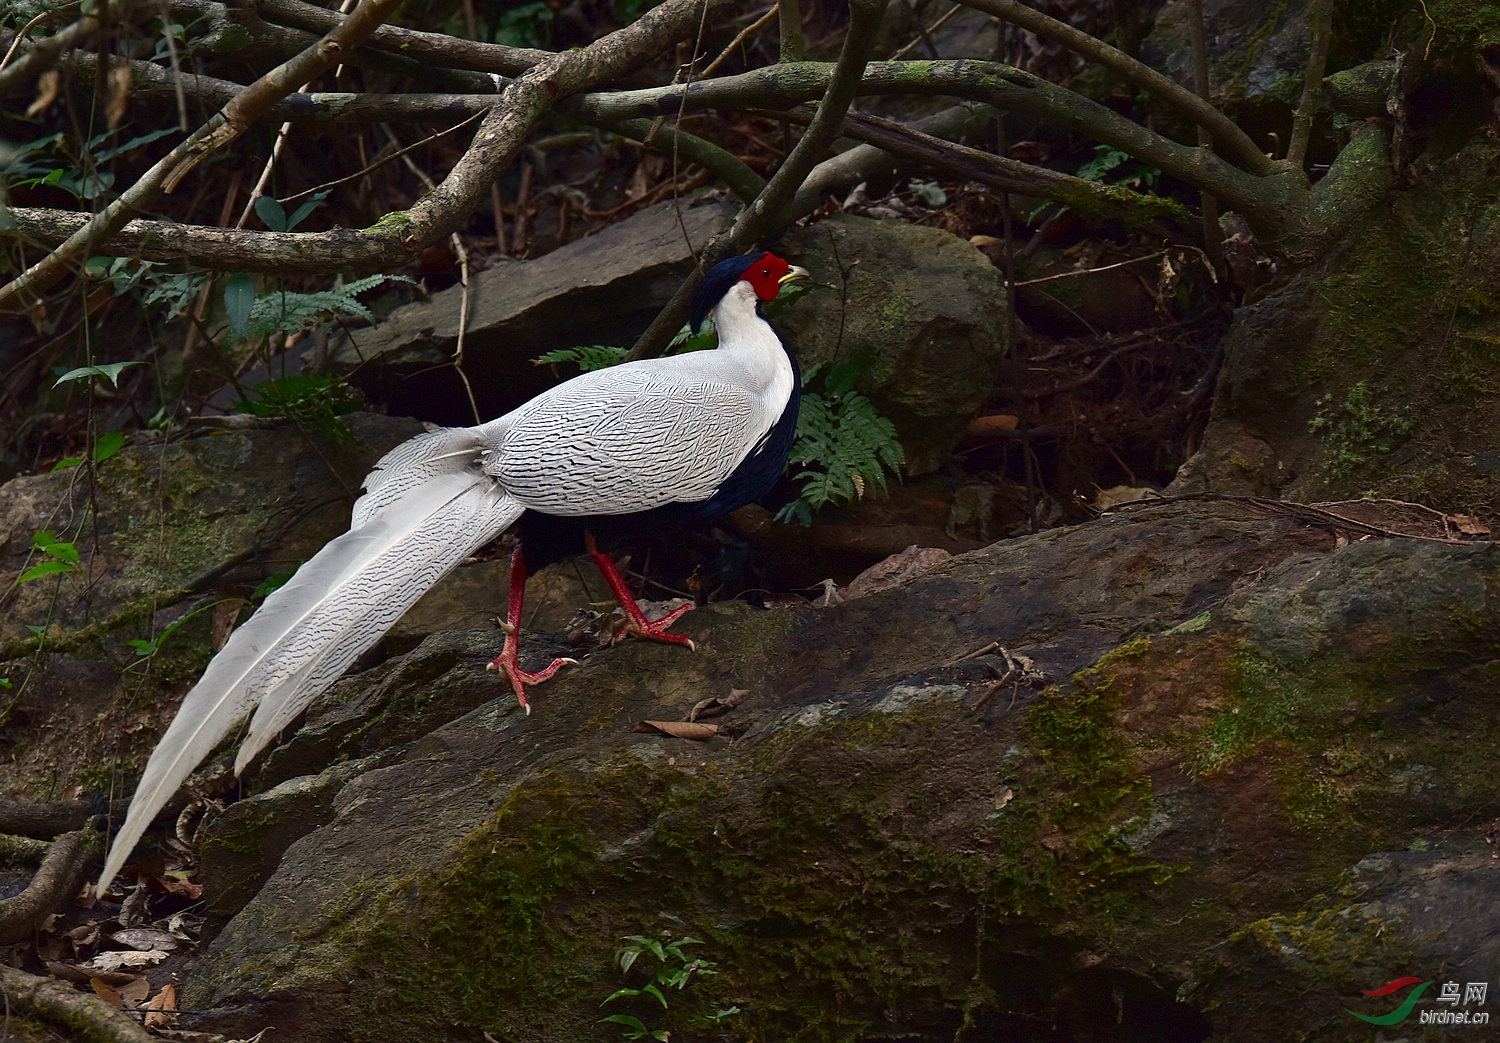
x=635, y=620
x=506, y=661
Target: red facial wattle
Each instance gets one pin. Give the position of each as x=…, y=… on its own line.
x=765, y=275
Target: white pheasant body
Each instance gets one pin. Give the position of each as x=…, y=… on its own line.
x=612, y=442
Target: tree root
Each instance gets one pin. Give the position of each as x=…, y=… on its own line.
x=61, y=875
x=83, y=1016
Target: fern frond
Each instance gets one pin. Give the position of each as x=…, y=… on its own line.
x=587, y=357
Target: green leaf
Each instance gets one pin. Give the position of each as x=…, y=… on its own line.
x=587, y=357
x=109, y=443
x=299, y=214
x=653, y=991
x=270, y=210
x=65, y=463
x=46, y=568
x=110, y=370
x=239, y=299
x=47, y=542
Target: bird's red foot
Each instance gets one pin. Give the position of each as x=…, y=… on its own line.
x=507, y=662
x=637, y=625
x=636, y=622
x=508, y=665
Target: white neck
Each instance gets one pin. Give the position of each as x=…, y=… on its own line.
x=754, y=349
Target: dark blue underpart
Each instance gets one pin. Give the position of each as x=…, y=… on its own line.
x=546, y=538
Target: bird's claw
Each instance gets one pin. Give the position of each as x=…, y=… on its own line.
x=656, y=630
x=508, y=665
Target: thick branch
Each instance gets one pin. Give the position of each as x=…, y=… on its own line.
x=1320, y=23
x=224, y=127
x=82, y=1015
x=1259, y=198
x=1233, y=142
x=771, y=210
x=1009, y=175
x=429, y=48
x=44, y=53
x=54, y=884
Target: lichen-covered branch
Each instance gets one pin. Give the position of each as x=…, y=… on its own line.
x=1268, y=201
x=1112, y=202
x=397, y=235
x=82, y=1015
x=1233, y=141
x=53, y=885
x=428, y=48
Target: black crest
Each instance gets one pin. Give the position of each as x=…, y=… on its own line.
x=716, y=283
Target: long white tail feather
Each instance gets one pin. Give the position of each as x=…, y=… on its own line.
x=375, y=598
x=309, y=631
x=414, y=463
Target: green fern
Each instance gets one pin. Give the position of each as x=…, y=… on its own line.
x=849, y=447
x=588, y=357
x=287, y=312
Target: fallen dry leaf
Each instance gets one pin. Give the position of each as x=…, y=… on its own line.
x=119, y=95
x=985, y=425
x=145, y=938
x=113, y=961
x=1469, y=525
x=162, y=1003
x=107, y=994
x=225, y=613
x=136, y=992
x=47, y=85
x=716, y=707
x=680, y=729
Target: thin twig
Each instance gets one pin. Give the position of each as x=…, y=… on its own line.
x=740, y=38
x=1320, y=23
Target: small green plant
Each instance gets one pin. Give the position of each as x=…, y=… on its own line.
x=58, y=556
x=842, y=440
x=147, y=649
x=255, y=316
x=314, y=398
x=675, y=970
x=587, y=357
x=529, y=25
x=1110, y=166
x=153, y=284
x=1358, y=430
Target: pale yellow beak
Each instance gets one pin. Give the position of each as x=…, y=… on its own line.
x=796, y=273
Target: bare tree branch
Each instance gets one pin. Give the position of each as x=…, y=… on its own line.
x=397, y=235
x=1233, y=141
x=228, y=124
x=771, y=210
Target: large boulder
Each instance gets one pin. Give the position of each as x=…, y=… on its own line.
x=922, y=306
x=895, y=834
x=604, y=289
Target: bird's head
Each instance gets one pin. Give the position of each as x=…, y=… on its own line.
x=764, y=271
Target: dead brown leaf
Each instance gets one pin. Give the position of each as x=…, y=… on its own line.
x=107, y=994
x=225, y=613
x=680, y=729
x=1469, y=525
x=716, y=707
x=136, y=992
x=996, y=424
x=119, y=95
x=47, y=85
x=162, y=1003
